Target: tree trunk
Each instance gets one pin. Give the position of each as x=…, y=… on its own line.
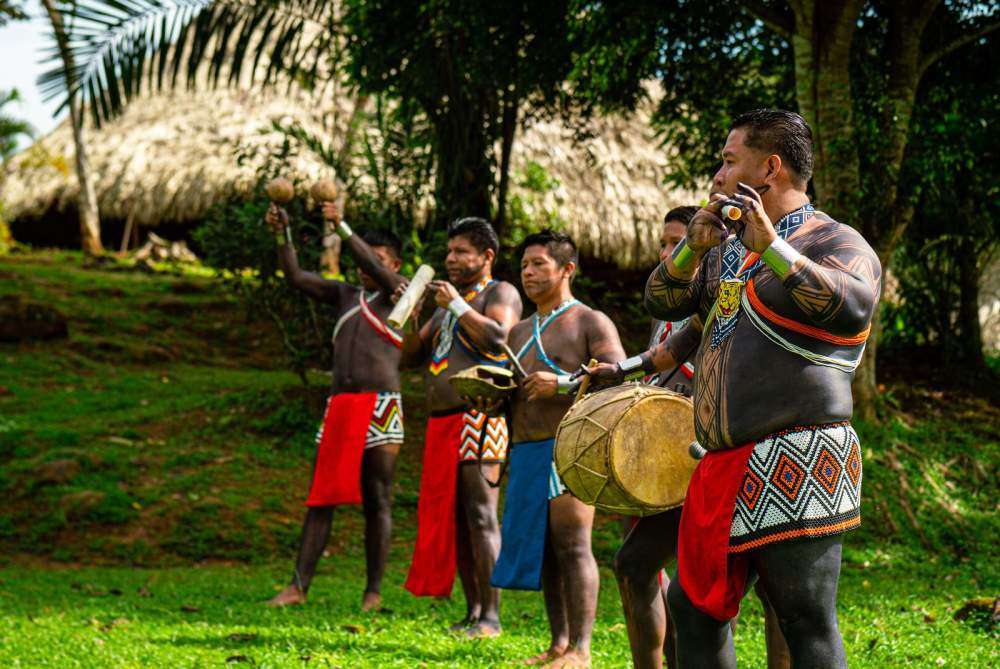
x=865, y=387
x=90, y=222
x=464, y=178
x=509, y=128
x=821, y=42
x=346, y=149
x=970, y=341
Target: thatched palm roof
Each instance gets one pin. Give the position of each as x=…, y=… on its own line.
x=169, y=157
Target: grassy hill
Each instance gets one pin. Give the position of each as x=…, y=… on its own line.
x=163, y=432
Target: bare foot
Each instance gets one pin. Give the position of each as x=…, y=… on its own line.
x=464, y=624
x=552, y=653
x=371, y=602
x=571, y=659
x=484, y=629
x=290, y=596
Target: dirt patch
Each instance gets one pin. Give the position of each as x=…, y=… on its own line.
x=22, y=319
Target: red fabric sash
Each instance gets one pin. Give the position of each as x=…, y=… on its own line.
x=340, y=446
x=432, y=571
x=713, y=580
x=383, y=330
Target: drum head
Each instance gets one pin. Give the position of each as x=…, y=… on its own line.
x=649, y=449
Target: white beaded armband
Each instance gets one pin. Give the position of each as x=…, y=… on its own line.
x=459, y=307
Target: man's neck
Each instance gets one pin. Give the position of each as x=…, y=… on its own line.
x=474, y=281
x=777, y=204
x=551, y=302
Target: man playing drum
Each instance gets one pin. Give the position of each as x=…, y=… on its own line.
x=362, y=427
x=469, y=328
x=787, y=305
x=546, y=533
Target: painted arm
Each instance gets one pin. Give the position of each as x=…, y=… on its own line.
x=603, y=345
x=310, y=283
x=387, y=280
x=666, y=355
x=679, y=346
x=674, y=290
x=837, y=291
x=487, y=330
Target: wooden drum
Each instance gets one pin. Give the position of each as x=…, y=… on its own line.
x=626, y=449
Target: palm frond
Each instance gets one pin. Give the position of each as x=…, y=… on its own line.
x=120, y=48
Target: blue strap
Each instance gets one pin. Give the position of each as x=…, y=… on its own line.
x=536, y=336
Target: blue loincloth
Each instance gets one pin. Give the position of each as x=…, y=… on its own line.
x=526, y=516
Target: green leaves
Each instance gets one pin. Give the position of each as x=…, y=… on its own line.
x=120, y=48
x=10, y=127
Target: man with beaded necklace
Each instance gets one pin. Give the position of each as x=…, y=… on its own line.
x=787, y=307
x=547, y=531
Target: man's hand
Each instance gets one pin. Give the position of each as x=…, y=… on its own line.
x=276, y=218
x=604, y=373
x=755, y=228
x=400, y=289
x=333, y=211
x=444, y=292
x=490, y=407
x=706, y=228
x=540, y=385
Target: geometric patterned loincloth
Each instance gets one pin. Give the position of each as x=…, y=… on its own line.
x=386, y=426
x=483, y=438
x=804, y=482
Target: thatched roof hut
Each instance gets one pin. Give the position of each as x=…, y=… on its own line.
x=169, y=157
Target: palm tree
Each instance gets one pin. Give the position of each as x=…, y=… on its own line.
x=106, y=53
x=11, y=128
x=90, y=222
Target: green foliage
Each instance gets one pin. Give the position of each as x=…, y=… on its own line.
x=527, y=211
x=10, y=127
x=714, y=61
x=895, y=610
x=953, y=179
x=234, y=239
x=467, y=68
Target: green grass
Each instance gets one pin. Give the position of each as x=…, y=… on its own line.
x=894, y=613
x=185, y=448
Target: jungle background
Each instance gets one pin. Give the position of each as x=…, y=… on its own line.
x=160, y=384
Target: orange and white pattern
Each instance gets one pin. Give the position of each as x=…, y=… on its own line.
x=386, y=426
x=483, y=438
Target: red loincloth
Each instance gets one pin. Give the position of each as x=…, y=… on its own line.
x=432, y=571
x=340, y=446
x=712, y=579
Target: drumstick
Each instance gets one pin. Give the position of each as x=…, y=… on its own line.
x=408, y=300
x=514, y=361
x=585, y=382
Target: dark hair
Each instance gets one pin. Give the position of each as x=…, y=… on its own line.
x=560, y=246
x=782, y=132
x=479, y=232
x=683, y=214
x=384, y=238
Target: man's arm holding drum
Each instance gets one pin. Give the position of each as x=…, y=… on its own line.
x=387, y=280
x=603, y=345
x=310, y=283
